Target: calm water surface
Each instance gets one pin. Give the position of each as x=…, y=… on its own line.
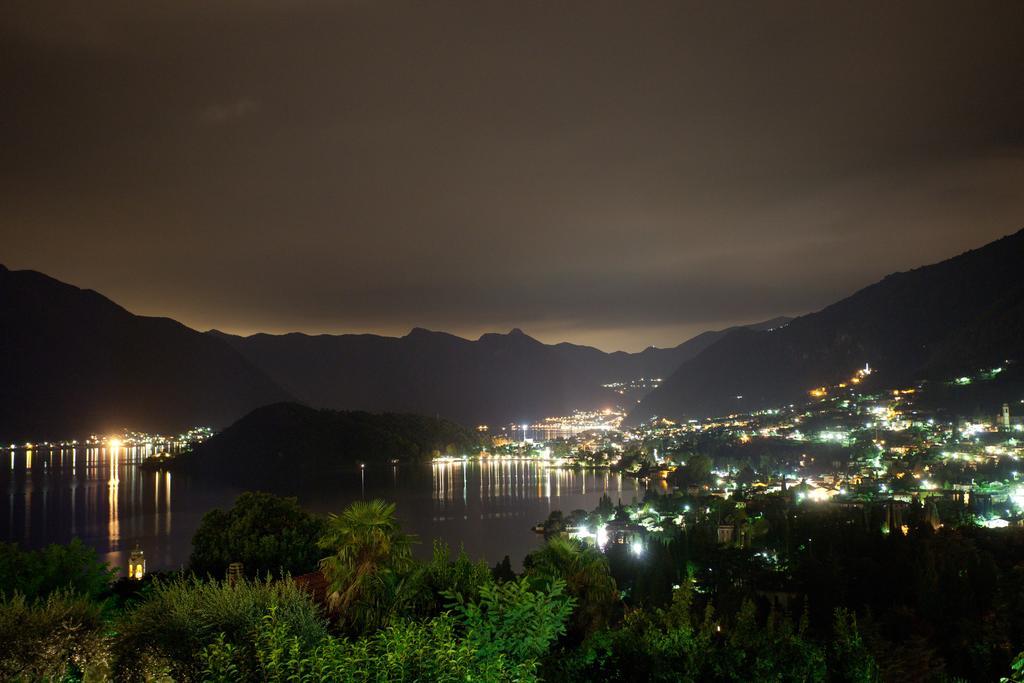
x=102, y=497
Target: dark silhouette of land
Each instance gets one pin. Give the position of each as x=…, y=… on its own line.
x=288, y=442
x=936, y=321
x=72, y=362
x=495, y=379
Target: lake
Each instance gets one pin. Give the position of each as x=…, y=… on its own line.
x=102, y=496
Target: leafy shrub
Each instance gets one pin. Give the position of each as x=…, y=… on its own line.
x=443, y=576
x=166, y=633
x=587, y=578
x=649, y=645
x=510, y=618
x=38, y=573
x=54, y=638
x=407, y=651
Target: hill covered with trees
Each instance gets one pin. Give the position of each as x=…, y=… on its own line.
x=289, y=441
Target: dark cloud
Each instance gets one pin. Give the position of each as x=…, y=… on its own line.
x=618, y=174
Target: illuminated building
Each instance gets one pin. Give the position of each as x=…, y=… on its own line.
x=136, y=564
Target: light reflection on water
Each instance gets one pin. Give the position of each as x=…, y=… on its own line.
x=102, y=496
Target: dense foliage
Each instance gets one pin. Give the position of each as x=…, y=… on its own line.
x=165, y=633
x=267, y=534
x=511, y=619
x=812, y=596
x=431, y=650
x=59, y=637
x=37, y=574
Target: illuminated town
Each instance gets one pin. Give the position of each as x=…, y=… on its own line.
x=149, y=445
x=842, y=449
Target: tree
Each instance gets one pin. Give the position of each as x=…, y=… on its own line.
x=554, y=524
x=266, y=533
x=370, y=555
x=38, y=573
x=850, y=660
x=648, y=645
x=696, y=472
x=587, y=578
x=503, y=570
x=745, y=477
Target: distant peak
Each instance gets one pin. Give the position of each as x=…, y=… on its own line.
x=424, y=334
x=513, y=335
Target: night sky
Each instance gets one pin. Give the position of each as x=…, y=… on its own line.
x=620, y=174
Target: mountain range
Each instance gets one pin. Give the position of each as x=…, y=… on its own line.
x=932, y=322
x=72, y=362
x=495, y=379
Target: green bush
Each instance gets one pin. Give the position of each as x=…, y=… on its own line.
x=514, y=620
x=587, y=579
x=59, y=637
x=38, y=573
x=266, y=533
x=167, y=631
x=649, y=645
x=404, y=652
x=443, y=576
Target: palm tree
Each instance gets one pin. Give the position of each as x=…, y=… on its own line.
x=369, y=553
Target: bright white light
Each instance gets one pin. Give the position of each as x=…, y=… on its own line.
x=637, y=548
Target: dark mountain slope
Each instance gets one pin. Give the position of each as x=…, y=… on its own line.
x=495, y=379
x=72, y=362
x=929, y=322
x=652, y=362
